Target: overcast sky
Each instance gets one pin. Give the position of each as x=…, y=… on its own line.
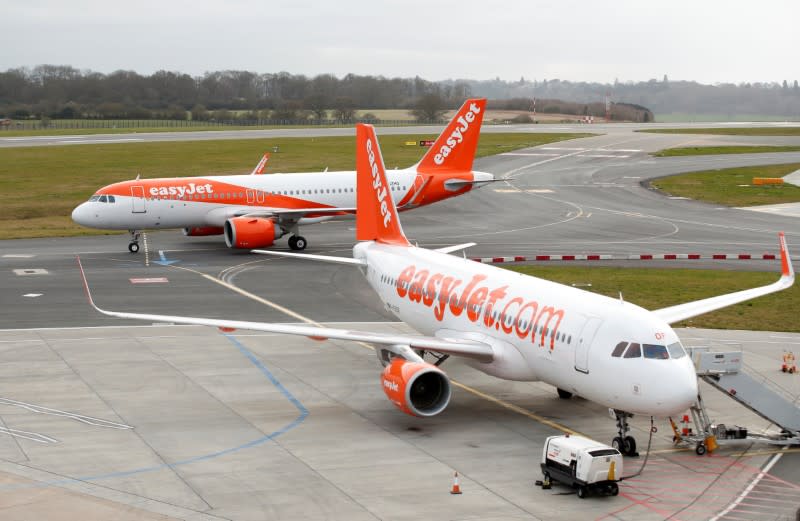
x=704, y=40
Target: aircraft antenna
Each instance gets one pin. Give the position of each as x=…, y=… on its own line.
x=621, y=300
x=138, y=176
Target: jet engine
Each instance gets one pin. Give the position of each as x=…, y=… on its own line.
x=416, y=388
x=251, y=232
x=203, y=231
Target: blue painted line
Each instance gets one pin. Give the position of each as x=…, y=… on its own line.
x=259, y=441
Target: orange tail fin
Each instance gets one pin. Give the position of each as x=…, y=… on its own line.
x=376, y=214
x=454, y=150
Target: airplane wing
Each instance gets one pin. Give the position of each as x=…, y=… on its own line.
x=459, y=347
x=680, y=312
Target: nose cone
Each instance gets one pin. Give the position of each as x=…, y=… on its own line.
x=82, y=214
x=684, y=389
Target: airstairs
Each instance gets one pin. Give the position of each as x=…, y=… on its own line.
x=724, y=370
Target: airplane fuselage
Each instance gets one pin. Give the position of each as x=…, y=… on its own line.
x=540, y=330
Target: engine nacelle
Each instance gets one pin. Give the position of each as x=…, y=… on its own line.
x=416, y=388
x=251, y=232
x=203, y=231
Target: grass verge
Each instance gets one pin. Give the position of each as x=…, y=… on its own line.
x=702, y=151
x=658, y=288
x=732, y=186
x=729, y=131
x=39, y=186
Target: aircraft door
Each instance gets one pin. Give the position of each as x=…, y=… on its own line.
x=585, y=339
x=137, y=196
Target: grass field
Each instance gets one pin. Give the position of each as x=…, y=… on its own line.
x=659, y=288
x=701, y=151
x=39, y=186
x=729, y=131
x=732, y=186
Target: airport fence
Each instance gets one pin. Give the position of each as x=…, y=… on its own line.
x=111, y=124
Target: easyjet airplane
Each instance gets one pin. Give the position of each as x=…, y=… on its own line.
x=505, y=324
x=252, y=211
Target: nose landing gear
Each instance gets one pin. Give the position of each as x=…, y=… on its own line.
x=133, y=246
x=624, y=443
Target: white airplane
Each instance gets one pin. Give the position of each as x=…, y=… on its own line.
x=252, y=211
x=506, y=324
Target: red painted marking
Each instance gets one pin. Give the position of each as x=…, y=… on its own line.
x=497, y=259
x=519, y=259
x=670, y=256
x=645, y=257
x=149, y=280
x=744, y=256
x=542, y=257
x=768, y=256
x=694, y=256
x=568, y=257
x=719, y=256
x=593, y=257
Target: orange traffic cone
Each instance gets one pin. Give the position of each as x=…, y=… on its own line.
x=456, y=487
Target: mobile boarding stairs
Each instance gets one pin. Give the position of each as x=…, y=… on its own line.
x=724, y=371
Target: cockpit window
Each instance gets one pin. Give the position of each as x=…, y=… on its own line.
x=94, y=198
x=676, y=350
x=111, y=199
x=655, y=351
x=634, y=351
x=103, y=199
x=619, y=349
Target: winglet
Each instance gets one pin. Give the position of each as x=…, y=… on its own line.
x=259, y=169
x=376, y=214
x=786, y=262
x=454, y=149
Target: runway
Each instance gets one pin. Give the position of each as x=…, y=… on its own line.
x=250, y=426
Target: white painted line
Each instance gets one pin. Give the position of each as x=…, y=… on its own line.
x=631, y=177
x=149, y=280
x=96, y=141
x=561, y=148
x=507, y=190
x=749, y=488
x=601, y=155
x=30, y=271
x=32, y=436
x=89, y=420
x=539, y=191
x=527, y=154
x=33, y=295
x=18, y=256
x=618, y=150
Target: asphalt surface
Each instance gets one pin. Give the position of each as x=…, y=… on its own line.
x=578, y=197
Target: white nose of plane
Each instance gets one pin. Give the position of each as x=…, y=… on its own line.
x=683, y=391
x=82, y=214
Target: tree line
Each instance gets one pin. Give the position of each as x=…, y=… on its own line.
x=62, y=91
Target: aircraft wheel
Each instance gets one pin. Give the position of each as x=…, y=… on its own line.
x=564, y=395
x=629, y=444
x=300, y=243
x=133, y=247
x=617, y=444
x=700, y=449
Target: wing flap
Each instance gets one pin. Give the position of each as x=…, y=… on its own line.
x=680, y=312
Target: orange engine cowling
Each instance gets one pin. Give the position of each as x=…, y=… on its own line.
x=251, y=232
x=203, y=231
x=416, y=388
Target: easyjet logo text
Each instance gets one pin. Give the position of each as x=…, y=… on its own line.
x=180, y=191
x=457, y=135
x=445, y=294
x=377, y=184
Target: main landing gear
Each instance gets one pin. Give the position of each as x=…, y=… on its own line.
x=624, y=443
x=297, y=242
x=133, y=247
